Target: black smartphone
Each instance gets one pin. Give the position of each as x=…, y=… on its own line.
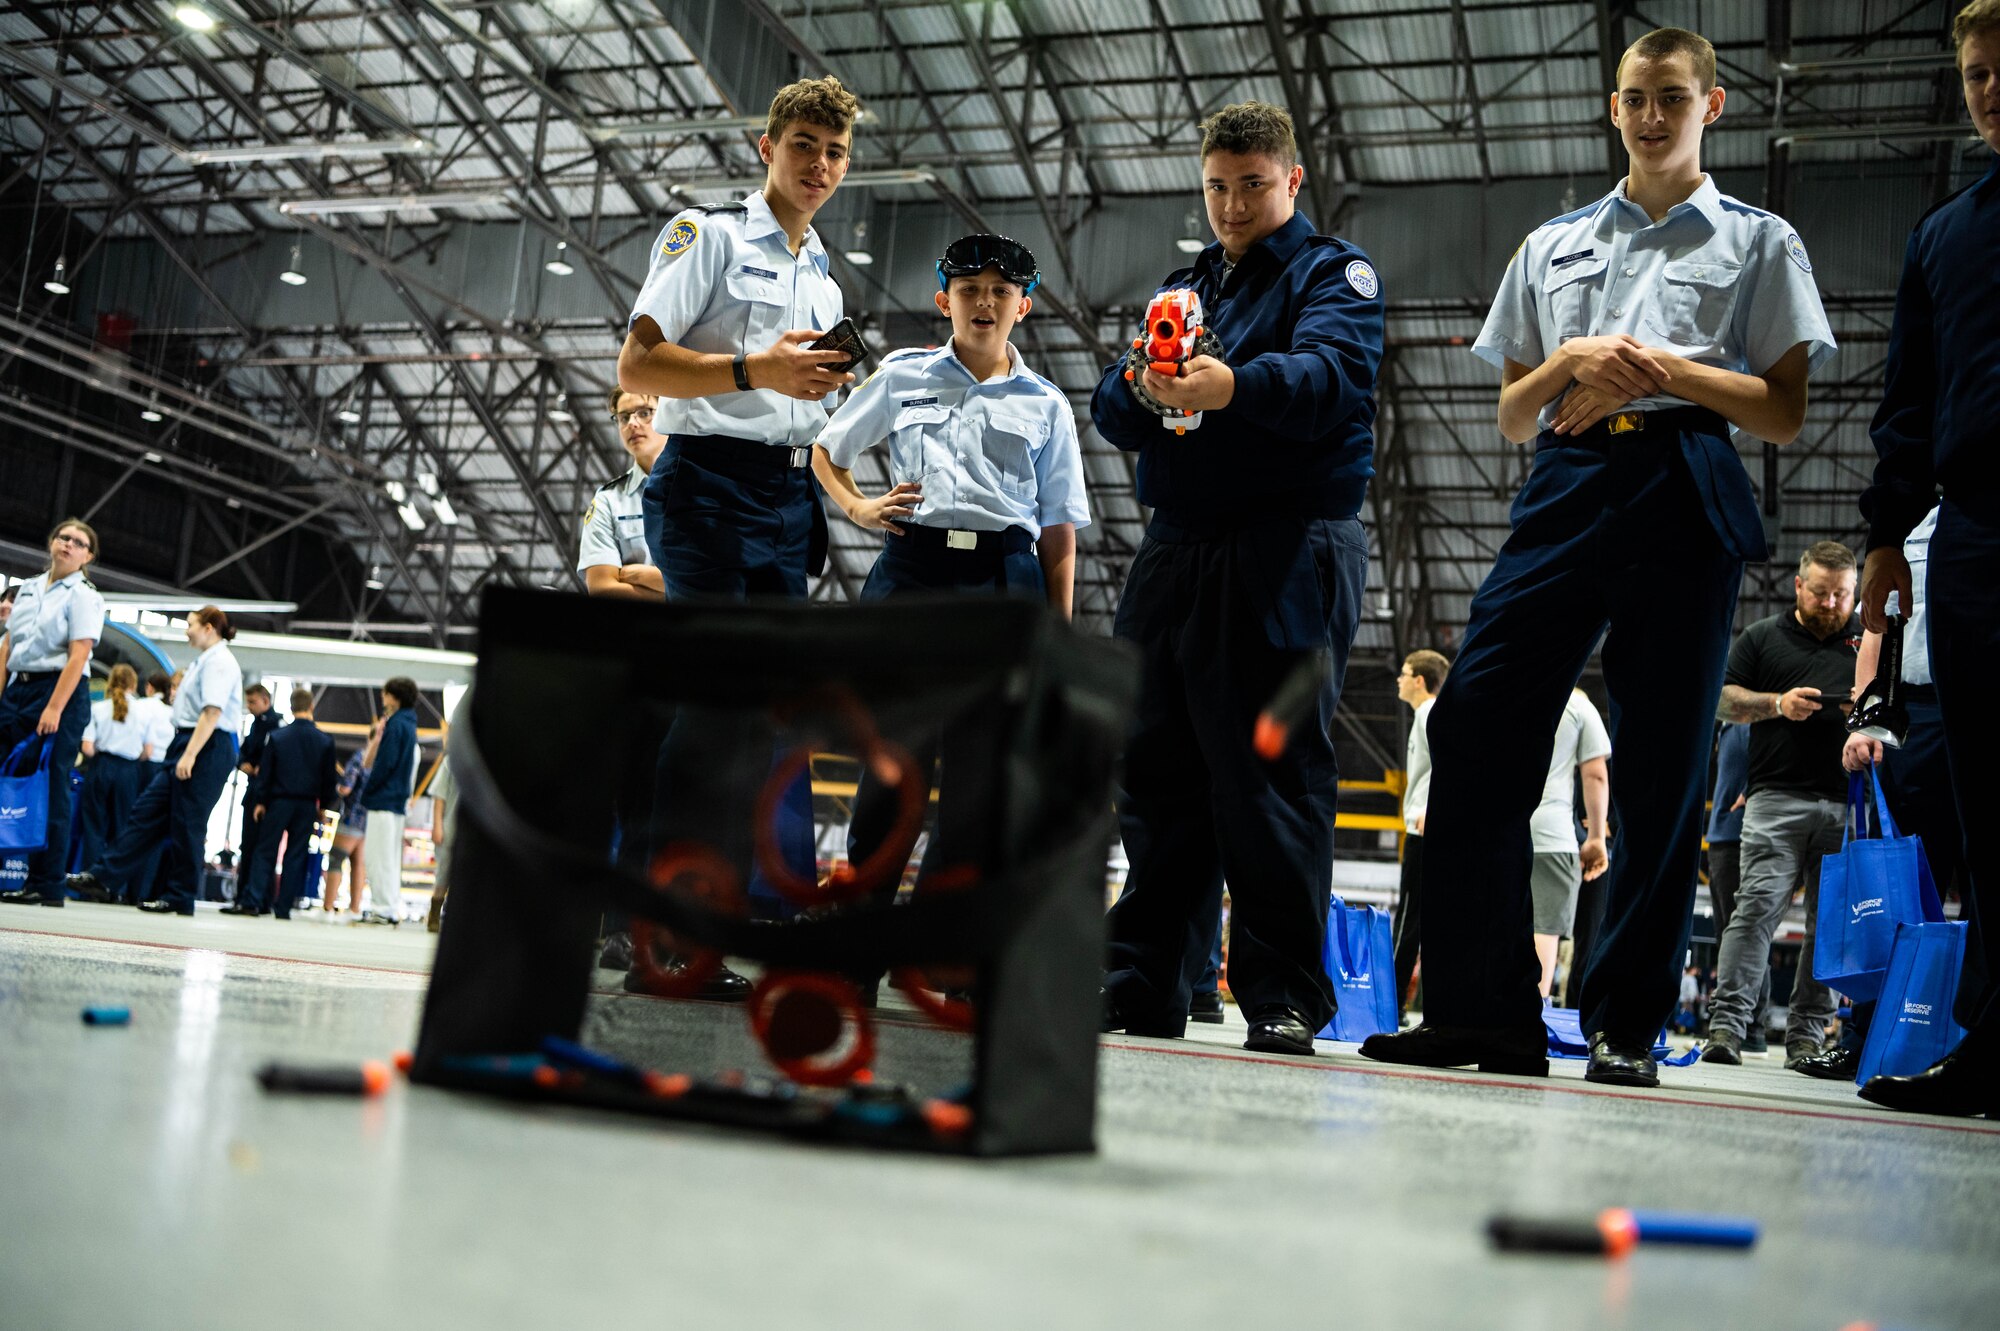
x=845, y=339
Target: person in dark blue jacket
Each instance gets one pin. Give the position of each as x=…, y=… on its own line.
x=1935, y=428
x=264, y=722
x=392, y=776
x=296, y=778
x=1254, y=560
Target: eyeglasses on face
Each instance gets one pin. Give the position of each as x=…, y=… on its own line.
x=633, y=414
x=67, y=539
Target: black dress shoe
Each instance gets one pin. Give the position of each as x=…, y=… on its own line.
x=86, y=886
x=1620, y=1065
x=1115, y=1019
x=616, y=954
x=1832, y=1065
x=725, y=986
x=26, y=897
x=233, y=909
x=164, y=907
x=1949, y=1086
x=1276, y=1029
x=1519, y=1054
x=1206, y=1007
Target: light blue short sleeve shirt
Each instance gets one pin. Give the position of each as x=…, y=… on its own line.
x=213, y=679
x=724, y=281
x=990, y=454
x=1715, y=281
x=48, y=617
x=614, y=527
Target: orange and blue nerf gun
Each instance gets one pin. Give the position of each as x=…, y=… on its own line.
x=1174, y=335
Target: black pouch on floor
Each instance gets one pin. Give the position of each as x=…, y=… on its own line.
x=755, y=694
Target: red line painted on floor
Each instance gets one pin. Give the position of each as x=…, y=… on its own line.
x=201, y=947
x=1888, y=1118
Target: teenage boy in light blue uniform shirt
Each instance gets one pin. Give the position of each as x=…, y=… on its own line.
x=1632, y=336
x=986, y=487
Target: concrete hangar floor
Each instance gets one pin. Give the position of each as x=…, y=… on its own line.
x=150, y=1183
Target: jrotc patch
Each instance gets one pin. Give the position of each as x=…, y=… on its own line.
x=680, y=238
x=1362, y=278
x=1797, y=249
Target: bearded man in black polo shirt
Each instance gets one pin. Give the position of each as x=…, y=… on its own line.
x=1788, y=674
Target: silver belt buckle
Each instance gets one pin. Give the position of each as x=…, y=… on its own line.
x=961, y=540
x=801, y=456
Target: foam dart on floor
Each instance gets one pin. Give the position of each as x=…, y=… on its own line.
x=1616, y=1231
x=370, y=1078
x=107, y=1016
x=1292, y=703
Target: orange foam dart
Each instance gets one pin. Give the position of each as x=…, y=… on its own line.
x=1620, y=1229
x=948, y=1118
x=374, y=1077
x=669, y=1085
x=403, y=1060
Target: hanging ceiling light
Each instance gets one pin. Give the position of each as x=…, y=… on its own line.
x=348, y=414
x=151, y=412
x=195, y=17
x=387, y=203
x=397, y=494
x=859, y=255
x=411, y=518
x=446, y=514
x=292, y=277
x=1191, y=243
x=374, y=580
x=59, y=282
x=558, y=265
x=560, y=411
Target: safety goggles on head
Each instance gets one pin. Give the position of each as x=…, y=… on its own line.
x=970, y=256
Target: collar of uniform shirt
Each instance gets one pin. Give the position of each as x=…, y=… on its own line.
x=1705, y=202
x=760, y=221
x=947, y=353
x=1281, y=244
x=74, y=579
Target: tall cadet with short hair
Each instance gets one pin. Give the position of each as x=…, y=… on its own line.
x=986, y=489
x=1253, y=562
x=1935, y=428
x=391, y=761
x=611, y=555
x=1631, y=335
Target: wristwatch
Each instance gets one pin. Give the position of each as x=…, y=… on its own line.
x=740, y=366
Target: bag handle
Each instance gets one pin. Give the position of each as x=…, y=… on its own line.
x=1888, y=820
x=13, y=761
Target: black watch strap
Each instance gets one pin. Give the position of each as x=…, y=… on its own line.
x=740, y=366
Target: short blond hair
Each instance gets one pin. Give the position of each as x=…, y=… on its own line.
x=1977, y=17
x=1662, y=43
x=823, y=102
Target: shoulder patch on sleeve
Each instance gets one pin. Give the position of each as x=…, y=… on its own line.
x=1796, y=248
x=590, y=512
x=680, y=237
x=1361, y=276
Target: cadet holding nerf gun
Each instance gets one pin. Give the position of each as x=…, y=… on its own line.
x=1253, y=561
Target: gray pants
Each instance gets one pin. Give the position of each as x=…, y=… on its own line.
x=1784, y=836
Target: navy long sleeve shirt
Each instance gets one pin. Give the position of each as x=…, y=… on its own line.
x=1300, y=321
x=298, y=765
x=394, y=772
x=1941, y=391
x=261, y=728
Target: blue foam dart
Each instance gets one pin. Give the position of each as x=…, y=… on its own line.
x=493, y=1065
x=107, y=1016
x=569, y=1053
x=1708, y=1231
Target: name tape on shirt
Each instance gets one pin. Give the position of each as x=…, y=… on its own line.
x=759, y=272
x=1797, y=249
x=917, y=402
x=1362, y=278
x=680, y=238
x=1571, y=258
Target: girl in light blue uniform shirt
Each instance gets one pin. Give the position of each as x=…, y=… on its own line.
x=116, y=744
x=44, y=658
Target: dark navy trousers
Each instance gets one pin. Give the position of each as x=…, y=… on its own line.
x=1962, y=606
x=728, y=519
x=291, y=819
x=111, y=787
x=176, y=812
x=1611, y=540
x=919, y=563
x=20, y=709
x=1220, y=620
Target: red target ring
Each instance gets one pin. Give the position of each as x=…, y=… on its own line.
x=804, y=1018
x=888, y=759
x=695, y=870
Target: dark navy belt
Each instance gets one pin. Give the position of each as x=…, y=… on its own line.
x=1621, y=426
x=32, y=676
x=724, y=452
x=1012, y=541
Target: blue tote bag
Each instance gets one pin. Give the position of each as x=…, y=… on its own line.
x=1913, y=1026
x=1873, y=885
x=1360, y=960
x=24, y=796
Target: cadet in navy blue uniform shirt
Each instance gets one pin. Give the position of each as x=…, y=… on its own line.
x=392, y=776
x=1254, y=560
x=985, y=496
x=296, y=778
x=1631, y=336
x=44, y=660
x=1937, y=428
x=264, y=721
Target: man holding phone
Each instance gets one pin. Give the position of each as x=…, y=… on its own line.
x=1791, y=671
x=722, y=333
